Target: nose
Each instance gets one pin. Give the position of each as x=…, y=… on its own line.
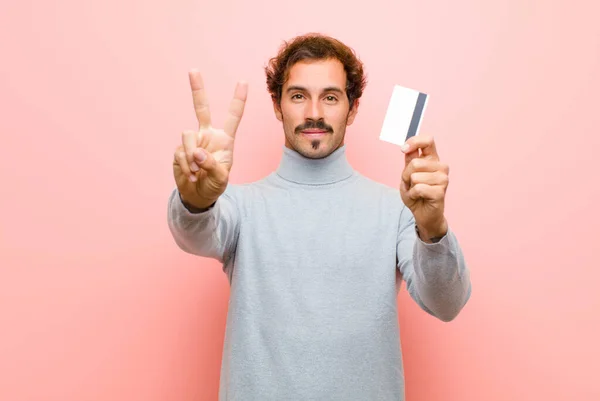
x=313, y=110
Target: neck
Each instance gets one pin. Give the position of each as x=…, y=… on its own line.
x=303, y=170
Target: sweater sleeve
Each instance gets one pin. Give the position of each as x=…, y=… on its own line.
x=212, y=233
x=436, y=275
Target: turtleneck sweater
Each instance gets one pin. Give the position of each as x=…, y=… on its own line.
x=315, y=254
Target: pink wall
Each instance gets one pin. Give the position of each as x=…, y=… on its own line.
x=97, y=302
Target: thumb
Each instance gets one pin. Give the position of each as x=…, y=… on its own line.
x=410, y=155
x=206, y=161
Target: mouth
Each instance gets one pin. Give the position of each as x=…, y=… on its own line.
x=314, y=133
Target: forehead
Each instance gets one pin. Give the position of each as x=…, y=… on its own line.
x=317, y=74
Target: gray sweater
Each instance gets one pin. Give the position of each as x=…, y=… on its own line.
x=315, y=254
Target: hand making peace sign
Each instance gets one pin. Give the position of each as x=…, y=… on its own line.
x=202, y=163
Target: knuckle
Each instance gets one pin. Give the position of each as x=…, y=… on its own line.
x=187, y=134
x=419, y=189
x=203, y=112
x=416, y=163
x=182, y=161
x=444, y=179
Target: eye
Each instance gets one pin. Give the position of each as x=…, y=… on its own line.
x=297, y=96
x=331, y=98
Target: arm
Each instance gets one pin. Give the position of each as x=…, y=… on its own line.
x=209, y=233
x=436, y=274
x=207, y=224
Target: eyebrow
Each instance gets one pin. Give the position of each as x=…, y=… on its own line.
x=303, y=89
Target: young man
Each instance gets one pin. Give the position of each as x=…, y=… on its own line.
x=315, y=252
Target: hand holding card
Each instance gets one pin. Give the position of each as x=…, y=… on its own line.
x=425, y=178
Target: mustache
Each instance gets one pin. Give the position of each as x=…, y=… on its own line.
x=312, y=124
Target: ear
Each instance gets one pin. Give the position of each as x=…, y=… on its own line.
x=352, y=113
x=277, y=110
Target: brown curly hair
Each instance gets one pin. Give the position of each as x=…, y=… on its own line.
x=315, y=46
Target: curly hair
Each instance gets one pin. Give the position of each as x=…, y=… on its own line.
x=315, y=46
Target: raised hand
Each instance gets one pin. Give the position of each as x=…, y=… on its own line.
x=423, y=186
x=203, y=161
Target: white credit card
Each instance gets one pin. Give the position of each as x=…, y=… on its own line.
x=403, y=116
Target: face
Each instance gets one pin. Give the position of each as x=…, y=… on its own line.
x=314, y=108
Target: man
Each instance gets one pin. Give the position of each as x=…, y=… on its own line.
x=315, y=252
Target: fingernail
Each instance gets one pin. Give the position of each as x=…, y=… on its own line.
x=200, y=155
x=405, y=147
x=193, y=178
x=194, y=167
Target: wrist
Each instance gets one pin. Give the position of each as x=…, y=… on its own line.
x=196, y=208
x=433, y=233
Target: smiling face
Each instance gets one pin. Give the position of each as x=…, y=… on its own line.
x=314, y=107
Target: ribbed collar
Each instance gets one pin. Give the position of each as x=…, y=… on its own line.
x=302, y=170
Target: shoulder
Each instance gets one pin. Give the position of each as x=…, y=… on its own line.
x=378, y=189
x=244, y=191
x=385, y=197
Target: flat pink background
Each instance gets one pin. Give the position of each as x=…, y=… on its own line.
x=98, y=303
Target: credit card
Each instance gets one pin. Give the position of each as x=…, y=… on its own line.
x=404, y=115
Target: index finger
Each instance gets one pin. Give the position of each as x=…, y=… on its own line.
x=200, y=99
x=425, y=143
x=236, y=108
